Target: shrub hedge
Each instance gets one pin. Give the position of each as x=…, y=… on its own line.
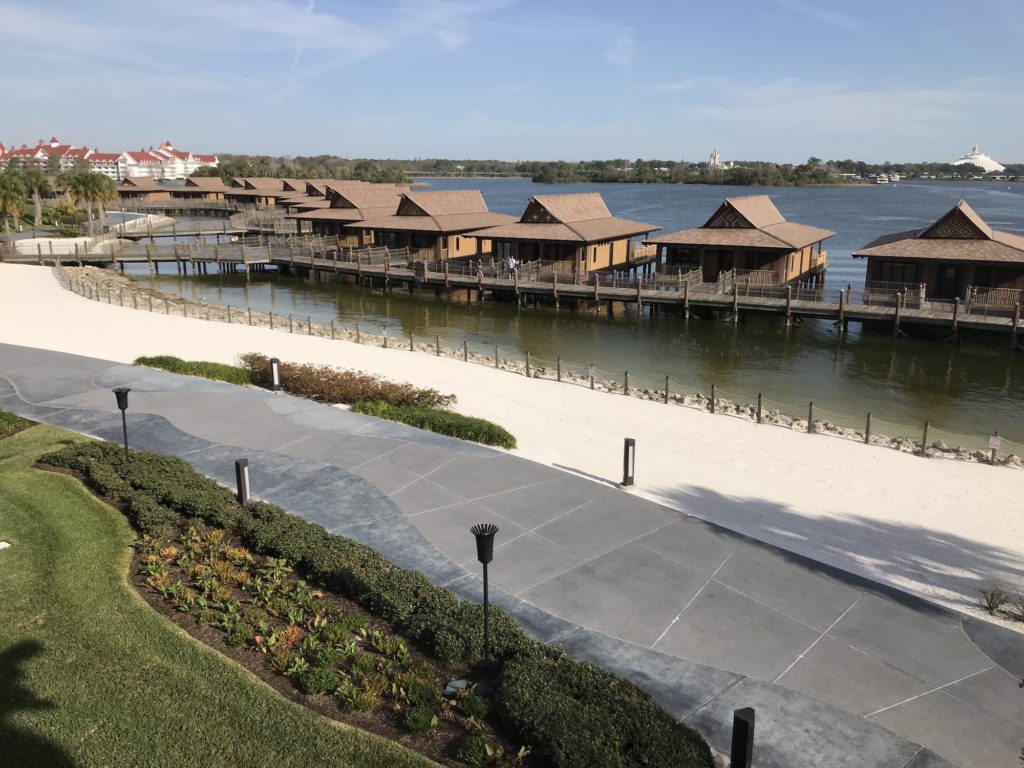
x=442, y=422
x=231, y=373
x=573, y=713
x=9, y=424
x=332, y=385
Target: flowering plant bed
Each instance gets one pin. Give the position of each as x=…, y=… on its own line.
x=317, y=648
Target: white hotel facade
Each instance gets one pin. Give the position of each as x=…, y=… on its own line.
x=164, y=162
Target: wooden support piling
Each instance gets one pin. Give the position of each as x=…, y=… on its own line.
x=896, y=319
x=789, y=304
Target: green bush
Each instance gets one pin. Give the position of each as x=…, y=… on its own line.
x=331, y=385
x=474, y=706
x=316, y=680
x=439, y=421
x=424, y=693
x=420, y=719
x=240, y=633
x=474, y=750
x=9, y=424
x=232, y=374
x=573, y=713
x=576, y=715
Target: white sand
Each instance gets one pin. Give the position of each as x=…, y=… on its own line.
x=937, y=528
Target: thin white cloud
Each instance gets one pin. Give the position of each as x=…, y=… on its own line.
x=622, y=50
x=823, y=15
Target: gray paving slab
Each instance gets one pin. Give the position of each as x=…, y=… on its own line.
x=385, y=474
x=473, y=477
x=694, y=543
x=527, y=560
x=340, y=449
x=607, y=522
x=333, y=498
x=784, y=582
x=966, y=735
x=536, y=505
x=858, y=683
x=679, y=686
x=420, y=459
x=792, y=729
x=630, y=592
x=422, y=495
x=1000, y=644
x=925, y=758
x=728, y=630
x=922, y=640
x=448, y=528
x=996, y=691
x=266, y=469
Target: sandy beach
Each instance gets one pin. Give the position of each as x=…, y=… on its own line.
x=940, y=529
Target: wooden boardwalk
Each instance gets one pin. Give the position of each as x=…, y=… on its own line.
x=322, y=260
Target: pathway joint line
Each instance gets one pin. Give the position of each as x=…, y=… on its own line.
x=695, y=595
x=926, y=693
x=739, y=678
x=919, y=750
x=818, y=638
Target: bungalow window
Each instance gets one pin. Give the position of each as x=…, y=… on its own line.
x=898, y=272
x=502, y=250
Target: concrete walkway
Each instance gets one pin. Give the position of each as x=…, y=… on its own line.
x=842, y=672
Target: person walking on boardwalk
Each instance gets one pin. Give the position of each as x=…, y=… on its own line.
x=511, y=267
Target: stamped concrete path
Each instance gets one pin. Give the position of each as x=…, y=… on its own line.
x=842, y=672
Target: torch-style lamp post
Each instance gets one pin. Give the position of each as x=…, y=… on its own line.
x=484, y=533
x=121, y=393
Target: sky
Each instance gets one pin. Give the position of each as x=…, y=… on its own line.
x=779, y=80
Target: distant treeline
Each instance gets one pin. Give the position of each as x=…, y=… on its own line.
x=744, y=172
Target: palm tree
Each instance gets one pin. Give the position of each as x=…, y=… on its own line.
x=104, y=191
x=12, y=198
x=37, y=183
x=81, y=189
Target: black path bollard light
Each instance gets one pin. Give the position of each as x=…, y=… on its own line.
x=275, y=373
x=242, y=480
x=121, y=393
x=484, y=533
x=628, y=461
x=742, y=753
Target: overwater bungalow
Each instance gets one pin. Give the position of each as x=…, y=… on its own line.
x=749, y=240
x=576, y=233
x=201, y=188
x=142, y=188
x=959, y=256
x=433, y=225
x=352, y=203
x=256, y=190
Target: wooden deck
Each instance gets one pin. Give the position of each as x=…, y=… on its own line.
x=322, y=260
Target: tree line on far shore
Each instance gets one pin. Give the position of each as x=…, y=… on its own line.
x=752, y=172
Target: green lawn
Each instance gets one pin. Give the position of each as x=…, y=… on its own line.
x=90, y=675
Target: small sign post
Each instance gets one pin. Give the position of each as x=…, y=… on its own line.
x=628, y=461
x=994, y=444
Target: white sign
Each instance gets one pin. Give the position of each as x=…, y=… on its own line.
x=994, y=442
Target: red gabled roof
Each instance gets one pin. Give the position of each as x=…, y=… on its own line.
x=103, y=157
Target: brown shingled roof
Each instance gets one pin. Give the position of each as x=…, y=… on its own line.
x=207, y=183
x=443, y=212
x=959, y=235
x=751, y=221
x=578, y=218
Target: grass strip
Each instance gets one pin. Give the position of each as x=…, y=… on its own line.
x=91, y=676
x=232, y=374
x=441, y=422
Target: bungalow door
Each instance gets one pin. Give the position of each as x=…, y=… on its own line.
x=949, y=282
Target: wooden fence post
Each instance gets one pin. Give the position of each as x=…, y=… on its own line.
x=924, y=442
x=758, y=407
x=465, y=351
x=559, y=368
x=527, y=365
x=625, y=384
x=713, y=398
x=810, y=418
x=867, y=431
x=437, y=346
x=666, y=390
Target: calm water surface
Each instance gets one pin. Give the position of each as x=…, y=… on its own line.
x=967, y=389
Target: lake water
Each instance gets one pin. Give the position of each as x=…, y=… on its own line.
x=968, y=389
